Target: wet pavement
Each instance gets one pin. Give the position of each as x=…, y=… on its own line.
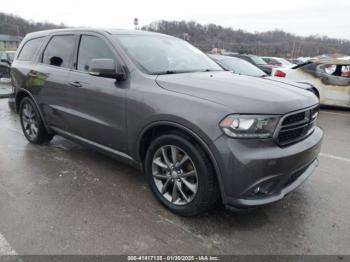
x=62, y=198
x=5, y=87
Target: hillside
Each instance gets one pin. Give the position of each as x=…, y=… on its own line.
x=272, y=43
x=14, y=25
x=206, y=37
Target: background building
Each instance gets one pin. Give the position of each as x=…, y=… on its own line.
x=9, y=42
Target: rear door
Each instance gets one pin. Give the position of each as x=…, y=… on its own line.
x=49, y=79
x=99, y=102
x=24, y=63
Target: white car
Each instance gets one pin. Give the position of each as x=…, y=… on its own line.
x=277, y=62
x=242, y=67
x=330, y=76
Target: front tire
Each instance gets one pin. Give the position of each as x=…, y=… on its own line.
x=180, y=175
x=32, y=124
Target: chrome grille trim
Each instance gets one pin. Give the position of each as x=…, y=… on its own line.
x=292, y=132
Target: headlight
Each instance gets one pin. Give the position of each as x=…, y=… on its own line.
x=249, y=126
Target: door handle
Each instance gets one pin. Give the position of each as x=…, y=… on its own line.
x=75, y=84
x=33, y=74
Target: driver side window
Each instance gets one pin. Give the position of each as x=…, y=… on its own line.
x=92, y=47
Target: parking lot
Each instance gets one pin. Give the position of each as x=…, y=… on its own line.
x=62, y=198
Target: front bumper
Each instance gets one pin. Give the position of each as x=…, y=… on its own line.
x=284, y=188
x=259, y=172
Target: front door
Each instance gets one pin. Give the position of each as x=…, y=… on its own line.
x=98, y=102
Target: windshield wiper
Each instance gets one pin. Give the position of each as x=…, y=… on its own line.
x=212, y=70
x=169, y=72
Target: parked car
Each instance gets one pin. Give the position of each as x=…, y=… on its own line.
x=277, y=62
x=6, y=58
x=255, y=60
x=296, y=61
x=330, y=76
x=237, y=65
x=242, y=67
x=199, y=132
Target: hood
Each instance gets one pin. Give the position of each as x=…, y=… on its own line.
x=242, y=94
x=305, y=86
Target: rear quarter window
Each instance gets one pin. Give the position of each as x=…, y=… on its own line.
x=30, y=49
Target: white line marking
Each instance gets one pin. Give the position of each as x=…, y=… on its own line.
x=335, y=157
x=334, y=113
x=5, y=248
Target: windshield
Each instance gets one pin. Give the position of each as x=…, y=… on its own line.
x=165, y=55
x=242, y=67
x=258, y=60
x=284, y=61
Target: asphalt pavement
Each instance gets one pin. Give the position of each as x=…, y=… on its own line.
x=62, y=198
x=5, y=88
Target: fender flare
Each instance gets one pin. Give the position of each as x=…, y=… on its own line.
x=21, y=91
x=198, y=139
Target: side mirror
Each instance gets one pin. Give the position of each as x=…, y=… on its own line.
x=105, y=68
x=5, y=61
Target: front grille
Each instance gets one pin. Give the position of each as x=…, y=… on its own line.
x=297, y=126
x=289, y=135
x=294, y=118
x=314, y=111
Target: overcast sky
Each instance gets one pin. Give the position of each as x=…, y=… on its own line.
x=302, y=17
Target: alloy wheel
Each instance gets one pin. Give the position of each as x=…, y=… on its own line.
x=30, y=121
x=175, y=174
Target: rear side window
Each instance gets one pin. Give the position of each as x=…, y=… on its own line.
x=59, y=51
x=92, y=47
x=29, y=49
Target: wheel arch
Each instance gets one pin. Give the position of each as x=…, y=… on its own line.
x=156, y=128
x=22, y=93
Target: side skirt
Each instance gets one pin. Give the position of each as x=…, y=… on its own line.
x=120, y=156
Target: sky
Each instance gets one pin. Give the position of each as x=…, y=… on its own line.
x=301, y=17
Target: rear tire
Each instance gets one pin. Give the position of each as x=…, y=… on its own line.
x=172, y=161
x=32, y=124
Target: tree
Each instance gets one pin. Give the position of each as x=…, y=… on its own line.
x=270, y=43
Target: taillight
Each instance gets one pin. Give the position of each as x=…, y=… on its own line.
x=280, y=73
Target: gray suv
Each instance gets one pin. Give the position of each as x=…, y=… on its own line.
x=199, y=133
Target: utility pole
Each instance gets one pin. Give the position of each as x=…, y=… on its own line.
x=292, y=55
x=136, y=23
